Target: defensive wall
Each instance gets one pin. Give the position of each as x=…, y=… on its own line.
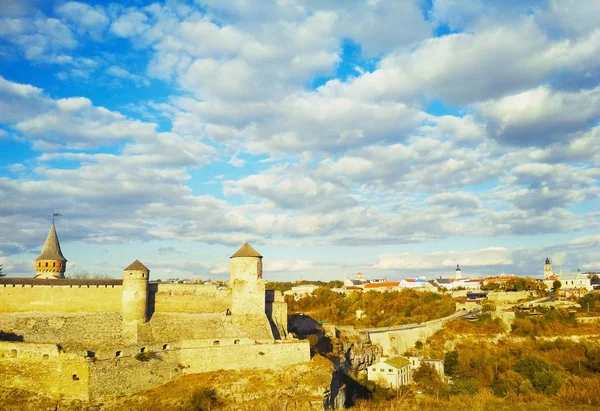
x=104, y=295
x=64, y=296
x=87, y=375
x=397, y=340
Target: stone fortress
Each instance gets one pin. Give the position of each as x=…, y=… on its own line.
x=91, y=338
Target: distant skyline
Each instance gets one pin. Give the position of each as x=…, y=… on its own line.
x=395, y=138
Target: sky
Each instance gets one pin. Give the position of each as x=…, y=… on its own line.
x=395, y=138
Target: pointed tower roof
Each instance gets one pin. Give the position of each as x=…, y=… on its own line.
x=246, y=251
x=51, y=250
x=457, y=267
x=136, y=265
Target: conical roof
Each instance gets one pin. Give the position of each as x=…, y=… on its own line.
x=136, y=265
x=246, y=251
x=51, y=250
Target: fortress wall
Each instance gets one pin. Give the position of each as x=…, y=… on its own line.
x=235, y=357
x=81, y=329
x=168, y=327
x=126, y=375
x=64, y=298
x=189, y=298
x=508, y=296
x=277, y=314
x=41, y=368
x=399, y=341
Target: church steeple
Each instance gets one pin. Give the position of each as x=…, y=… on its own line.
x=548, y=269
x=51, y=263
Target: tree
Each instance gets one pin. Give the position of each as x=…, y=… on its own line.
x=84, y=274
x=556, y=285
x=2, y=274
x=431, y=382
x=450, y=362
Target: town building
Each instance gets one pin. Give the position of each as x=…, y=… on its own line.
x=300, y=291
x=382, y=286
x=575, y=285
x=393, y=372
x=417, y=284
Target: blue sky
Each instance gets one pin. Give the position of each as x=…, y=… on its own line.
x=396, y=138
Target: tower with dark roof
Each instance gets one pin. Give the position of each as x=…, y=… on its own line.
x=134, y=309
x=246, y=282
x=51, y=263
x=548, y=269
x=458, y=273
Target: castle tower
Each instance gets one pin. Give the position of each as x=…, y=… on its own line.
x=458, y=273
x=51, y=263
x=135, y=294
x=547, y=269
x=246, y=282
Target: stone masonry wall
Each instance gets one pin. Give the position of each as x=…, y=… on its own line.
x=63, y=299
x=189, y=298
x=93, y=329
x=244, y=356
x=174, y=327
x=125, y=375
x=43, y=368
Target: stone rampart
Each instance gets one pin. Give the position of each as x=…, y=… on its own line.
x=64, y=298
x=508, y=297
x=244, y=356
x=92, y=329
x=189, y=298
x=43, y=368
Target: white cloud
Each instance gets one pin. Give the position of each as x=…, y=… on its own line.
x=130, y=23
x=492, y=256
x=540, y=116
x=92, y=20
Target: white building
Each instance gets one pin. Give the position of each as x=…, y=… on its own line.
x=575, y=281
x=300, y=291
x=393, y=372
x=416, y=283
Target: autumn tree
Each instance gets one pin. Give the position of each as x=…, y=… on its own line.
x=430, y=381
x=556, y=285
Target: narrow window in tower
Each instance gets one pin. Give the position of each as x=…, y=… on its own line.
x=46, y=264
x=53, y=264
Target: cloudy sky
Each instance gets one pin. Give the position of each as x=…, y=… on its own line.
x=397, y=138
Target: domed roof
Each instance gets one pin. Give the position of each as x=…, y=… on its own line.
x=246, y=251
x=51, y=249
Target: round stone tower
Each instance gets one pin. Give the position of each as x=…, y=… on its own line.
x=135, y=293
x=51, y=263
x=246, y=282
